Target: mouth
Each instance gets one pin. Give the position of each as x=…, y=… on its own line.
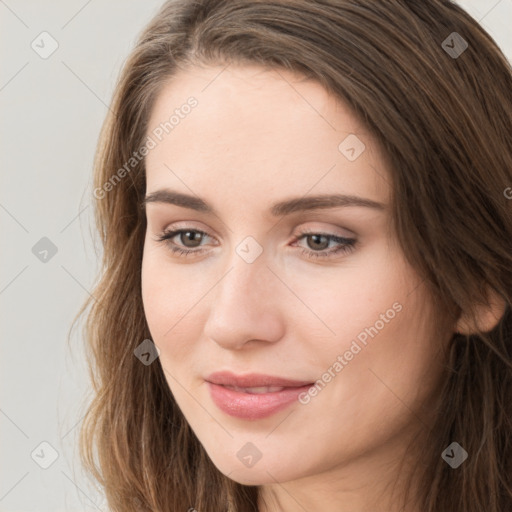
x=257, y=390
x=253, y=396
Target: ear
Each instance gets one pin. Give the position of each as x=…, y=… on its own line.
x=487, y=316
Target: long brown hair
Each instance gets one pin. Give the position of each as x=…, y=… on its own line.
x=444, y=120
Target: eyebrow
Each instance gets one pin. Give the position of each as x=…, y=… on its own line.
x=280, y=209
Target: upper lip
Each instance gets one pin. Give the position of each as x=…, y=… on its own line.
x=253, y=380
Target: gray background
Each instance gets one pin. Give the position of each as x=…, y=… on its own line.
x=52, y=111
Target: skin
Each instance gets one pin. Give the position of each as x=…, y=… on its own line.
x=257, y=137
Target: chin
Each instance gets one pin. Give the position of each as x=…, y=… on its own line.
x=261, y=473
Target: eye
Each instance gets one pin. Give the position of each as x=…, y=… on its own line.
x=320, y=241
x=191, y=238
x=186, y=235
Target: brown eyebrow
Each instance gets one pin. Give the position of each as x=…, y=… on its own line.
x=279, y=209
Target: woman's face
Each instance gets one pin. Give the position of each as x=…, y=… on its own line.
x=294, y=273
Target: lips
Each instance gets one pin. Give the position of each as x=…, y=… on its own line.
x=253, y=396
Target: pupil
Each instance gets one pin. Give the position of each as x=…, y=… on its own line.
x=316, y=237
x=191, y=236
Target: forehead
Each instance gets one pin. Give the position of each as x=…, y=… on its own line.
x=259, y=132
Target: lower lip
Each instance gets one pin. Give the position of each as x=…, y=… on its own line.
x=253, y=406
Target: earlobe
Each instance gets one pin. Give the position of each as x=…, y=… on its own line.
x=487, y=316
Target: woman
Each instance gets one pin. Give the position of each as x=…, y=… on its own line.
x=305, y=300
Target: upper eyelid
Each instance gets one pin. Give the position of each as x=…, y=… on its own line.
x=300, y=232
x=330, y=231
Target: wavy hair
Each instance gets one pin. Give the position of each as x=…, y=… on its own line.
x=445, y=123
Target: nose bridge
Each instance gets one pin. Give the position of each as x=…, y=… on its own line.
x=245, y=287
x=248, y=279
x=243, y=306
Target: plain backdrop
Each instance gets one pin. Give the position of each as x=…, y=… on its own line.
x=52, y=111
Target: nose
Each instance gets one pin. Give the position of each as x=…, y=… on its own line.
x=245, y=306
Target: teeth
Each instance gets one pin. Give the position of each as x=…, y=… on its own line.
x=258, y=390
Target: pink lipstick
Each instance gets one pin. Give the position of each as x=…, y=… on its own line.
x=253, y=396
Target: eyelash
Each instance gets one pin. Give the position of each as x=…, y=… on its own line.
x=348, y=243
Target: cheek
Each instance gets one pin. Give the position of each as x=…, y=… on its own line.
x=174, y=299
x=381, y=387
x=393, y=371
x=351, y=298
x=385, y=341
